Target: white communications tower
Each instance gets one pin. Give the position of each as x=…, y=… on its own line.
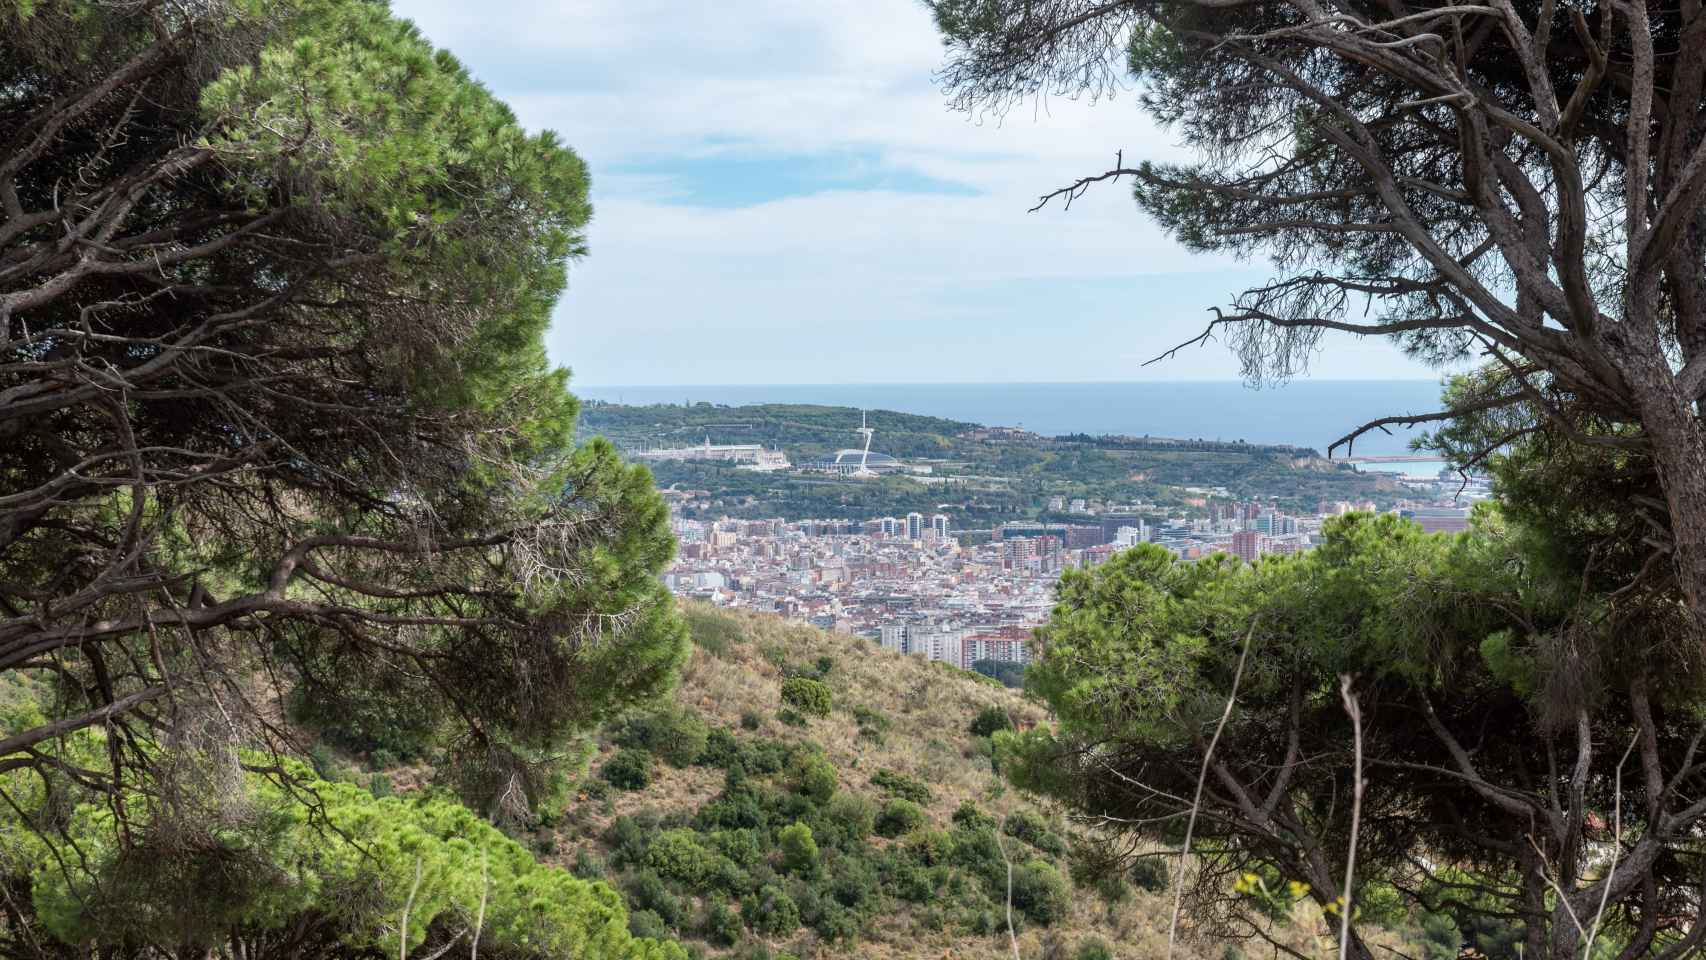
x=866, y=431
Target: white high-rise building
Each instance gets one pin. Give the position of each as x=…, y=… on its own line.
x=915, y=526
x=939, y=523
x=893, y=636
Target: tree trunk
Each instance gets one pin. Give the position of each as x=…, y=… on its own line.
x=1679, y=453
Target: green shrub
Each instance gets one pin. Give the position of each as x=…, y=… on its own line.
x=824, y=664
x=930, y=847
x=1093, y=948
x=750, y=720
x=670, y=733
x=897, y=784
x=799, y=850
x=810, y=697
x=628, y=837
x=679, y=855
x=790, y=717
x=763, y=756
x=854, y=816
x=1032, y=829
x=899, y=817
x=854, y=883
x=645, y=923
x=722, y=750
x=1040, y=893
x=719, y=924
x=769, y=912
x=588, y=865
x=969, y=816
x=989, y=720
x=629, y=769
x=816, y=779
x=647, y=891
x=740, y=846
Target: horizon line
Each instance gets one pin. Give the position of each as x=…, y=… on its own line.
x=1001, y=383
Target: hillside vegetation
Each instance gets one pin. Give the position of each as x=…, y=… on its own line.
x=739, y=822
x=1012, y=474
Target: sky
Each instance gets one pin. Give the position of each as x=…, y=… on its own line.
x=782, y=195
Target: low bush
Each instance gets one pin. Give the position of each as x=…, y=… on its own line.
x=853, y=817
x=989, y=720
x=721, y=750
x=769, y=912
x=647, y=891
x=719, y=924
x=750, y=720
x=670, y=733
x=680, y=855
x=1032, y=829
x=897, y=784
x=645, y=923
x=799, y=850
x=969, y=816
x=629, y=769
x=1093, y=948
x=899, y=817
x=808, y=696
x=1040, y=893
x=815, y=778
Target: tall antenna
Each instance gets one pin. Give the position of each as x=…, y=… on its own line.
x=866, y=431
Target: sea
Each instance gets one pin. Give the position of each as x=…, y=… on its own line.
x=1305, y=413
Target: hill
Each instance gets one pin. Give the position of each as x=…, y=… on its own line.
x=690, y=810
x=1000, y=474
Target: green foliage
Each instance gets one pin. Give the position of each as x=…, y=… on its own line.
x=719, y=924
x=899, y=817
x=849, y=818
x=788, y=716
x=989, y=720
x=1093, y=948
x=1031, y=828
x=722, y=750
x=628, y=769
x=799, y=849
x=896, y=784
x=808, y=696
x=816, y=778
x=769, y=912
x=353, y=450
x=1040, y=892
x=968, y=816
x=275, y=866
x=1010, y=675
x=750, y=720
x=647, y=891
x=681, y=856
x=667, y=732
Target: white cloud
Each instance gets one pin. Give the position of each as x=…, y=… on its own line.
x=771, y=291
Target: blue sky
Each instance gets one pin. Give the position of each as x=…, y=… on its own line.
x=782, y=196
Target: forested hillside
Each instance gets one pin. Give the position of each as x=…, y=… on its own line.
x=1007, y=475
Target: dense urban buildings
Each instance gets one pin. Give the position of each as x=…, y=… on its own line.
x=916, y=585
